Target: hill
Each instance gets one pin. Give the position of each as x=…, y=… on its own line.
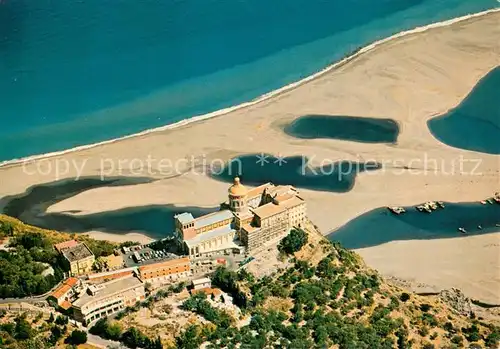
x=312, y=294
x=328, y=298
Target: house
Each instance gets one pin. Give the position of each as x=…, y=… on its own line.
x=77, y=255
x=199, y=284
x=113, y=262
x=65, y=293
x=102, y=300
x=165, y=272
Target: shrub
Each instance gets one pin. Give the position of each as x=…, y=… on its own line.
x=77, y=337
x=62, y=320
x=457, y=339
x=404, y=297
x=492, y=339
x=425, y=307
x=293, y=242
x=424, y=331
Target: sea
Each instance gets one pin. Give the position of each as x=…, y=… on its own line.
x=78, y=72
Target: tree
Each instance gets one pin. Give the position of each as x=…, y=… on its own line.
x=33, y=343
x=404, y=297
x=458, y=340
x=62, y=320
x=51, y=318
x=293, y=242
x=77, y=337
x=190, y=338
x=134, y=338
x=55, y=335
x=106, y=330
x=492, y=339
x=23, y=330
x=7, y=229
x=425, y=307
x=113, y=331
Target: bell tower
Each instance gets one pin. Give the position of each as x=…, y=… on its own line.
x=238, y=196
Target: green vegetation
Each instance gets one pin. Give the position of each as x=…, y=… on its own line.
x=326, y=297
x=337, y=301
x=293, y=242
x=31, y=252
x=23, y=331
x=228, y=282
x=20, y=271
x=199, y=305
x=77, y=337
x=132, y=337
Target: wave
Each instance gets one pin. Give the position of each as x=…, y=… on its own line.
x=349, y=57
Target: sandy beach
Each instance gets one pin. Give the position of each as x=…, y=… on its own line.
x=471, y=262
x=409, y=79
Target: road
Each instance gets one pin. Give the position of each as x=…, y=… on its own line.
x=103, y=343
x=31, y=299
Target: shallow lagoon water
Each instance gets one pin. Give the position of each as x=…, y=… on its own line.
x=256, y=169
x=380, y=226
x=155, y=221
x=475, y=123
x=349, y=128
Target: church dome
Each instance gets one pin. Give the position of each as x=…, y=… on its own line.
x=237, y=189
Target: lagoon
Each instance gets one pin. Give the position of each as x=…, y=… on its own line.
x=155, y=221
x=380, y=226
x=349, y=128
x=475, y=123
x=257, y=169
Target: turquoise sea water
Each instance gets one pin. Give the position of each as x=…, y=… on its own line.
x=475, y=123
x=78, y=72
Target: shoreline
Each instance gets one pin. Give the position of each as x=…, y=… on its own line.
x=197, y=118
x=331, y=235
x=408, y=80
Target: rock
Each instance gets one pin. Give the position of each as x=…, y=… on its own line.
x=456, y=300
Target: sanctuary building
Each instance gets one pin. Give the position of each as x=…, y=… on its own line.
x=248, y=220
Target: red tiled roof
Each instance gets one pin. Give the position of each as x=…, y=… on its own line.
x=65, y=305
x=67, y=285
x=208, y=291
x=109, y=275
x=169, y=263
x=71, y=281
x=61, y=291
x=66, y=244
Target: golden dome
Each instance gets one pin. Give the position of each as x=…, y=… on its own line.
x=237, y=189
